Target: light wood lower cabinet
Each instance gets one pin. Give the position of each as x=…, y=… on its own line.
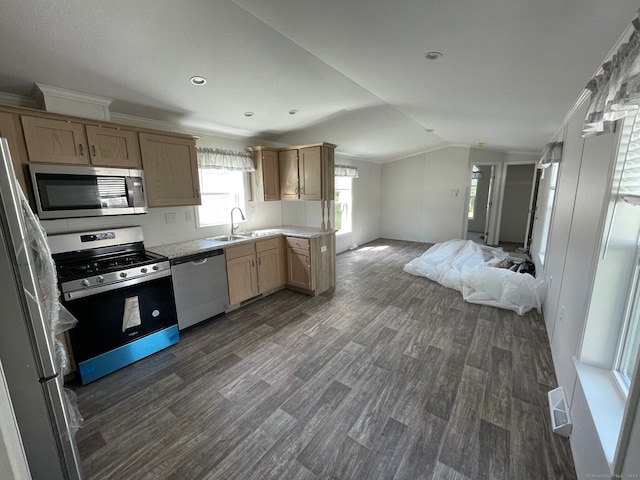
x=311, y=263
x=242, y=274
x=254, y=268
x=298, y=263
x=270, y=264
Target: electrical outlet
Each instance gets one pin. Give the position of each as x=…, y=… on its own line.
x=188, y=216
x=170, y=217
x=561, y=313
x=323, y=248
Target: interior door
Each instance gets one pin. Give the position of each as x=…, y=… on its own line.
x=488, y=238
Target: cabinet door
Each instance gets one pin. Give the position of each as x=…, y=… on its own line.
x=270, y=273
x=271, y=175
x=242, y=278
x=55, y=141
x=288, y=160
x=11, y=130
x=170, y=170
x=298, y=268
x=112, y=147
x=310, y=163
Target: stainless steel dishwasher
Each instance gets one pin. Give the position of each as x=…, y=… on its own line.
x=199, y=286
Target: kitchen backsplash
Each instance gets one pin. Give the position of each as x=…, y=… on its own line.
x=159, y=227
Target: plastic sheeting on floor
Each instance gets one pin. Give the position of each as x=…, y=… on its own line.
x=465, y=266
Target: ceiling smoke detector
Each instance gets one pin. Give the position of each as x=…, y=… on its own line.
x=197, y=80
x=433, y=55
x=293, y=111
x=249, y=114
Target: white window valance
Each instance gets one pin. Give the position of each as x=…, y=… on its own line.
x=552, y=154
x=346, y=171
x=615, y=91
x=225, y=159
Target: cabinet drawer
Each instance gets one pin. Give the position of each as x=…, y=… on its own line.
x=240, y=251
x=269, y=244
x=294, y=242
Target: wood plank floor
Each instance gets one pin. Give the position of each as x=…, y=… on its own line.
x=388, y=377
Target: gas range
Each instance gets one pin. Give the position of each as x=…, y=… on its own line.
x=120, y=294
x=89, y=263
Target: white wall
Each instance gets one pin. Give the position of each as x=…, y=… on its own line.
x=575, y=239
x=424, y=196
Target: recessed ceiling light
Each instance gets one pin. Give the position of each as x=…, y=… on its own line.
x=480, y=144
x=429, y=130
x=249, y=114
x=293, y=112
x=198, y=80
x=433, y=55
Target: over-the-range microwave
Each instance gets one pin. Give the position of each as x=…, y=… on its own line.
x=63, y=191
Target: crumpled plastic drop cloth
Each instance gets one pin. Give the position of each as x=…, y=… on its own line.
x=465, y=266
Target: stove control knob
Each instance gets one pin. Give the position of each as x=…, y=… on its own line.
x=85, y=283
x=100, y=279
x=123, y=274
x=155, y=267
x=143, y=269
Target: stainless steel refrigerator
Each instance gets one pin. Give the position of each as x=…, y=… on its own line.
x=29, y=320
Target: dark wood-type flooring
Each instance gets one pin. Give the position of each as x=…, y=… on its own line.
x=391, y=376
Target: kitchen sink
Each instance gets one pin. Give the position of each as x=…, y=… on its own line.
x=228, y=238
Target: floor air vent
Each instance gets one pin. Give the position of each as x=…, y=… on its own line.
x=560, y=418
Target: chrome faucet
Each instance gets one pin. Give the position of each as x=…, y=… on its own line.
x=233, y=229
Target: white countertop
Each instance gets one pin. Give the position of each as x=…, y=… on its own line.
x=191, y=247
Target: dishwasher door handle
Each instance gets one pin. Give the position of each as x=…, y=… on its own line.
x=200, y=262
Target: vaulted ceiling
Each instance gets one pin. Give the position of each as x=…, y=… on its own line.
x=355, y=70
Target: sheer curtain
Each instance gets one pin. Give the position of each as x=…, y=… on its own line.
x=225, y=160
x=615, y=91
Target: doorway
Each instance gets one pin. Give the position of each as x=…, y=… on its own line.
x=518, y=188
x=480, y=204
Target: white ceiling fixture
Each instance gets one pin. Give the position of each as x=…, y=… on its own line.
x=198, y=80
x=512, y=71
x=433, y=55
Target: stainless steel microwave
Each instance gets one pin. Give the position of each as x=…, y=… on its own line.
x=63, y=191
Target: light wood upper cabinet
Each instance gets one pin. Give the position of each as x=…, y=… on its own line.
x=170, y=170
x=113, y=147
x=307, y=172
x=55, y=141
x=309, y=167
x=289, y=185
x=265, y=181
x=11, y=129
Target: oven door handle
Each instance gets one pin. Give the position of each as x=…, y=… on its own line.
x=113, y=286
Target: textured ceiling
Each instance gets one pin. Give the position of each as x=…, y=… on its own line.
x=355, y=70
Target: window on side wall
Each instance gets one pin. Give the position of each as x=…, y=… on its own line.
x=220, y=191
x=343, y=204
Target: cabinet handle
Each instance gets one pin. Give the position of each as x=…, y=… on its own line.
x=81, y=149
x=253, y=263
x=93, y=150
x=259, y=261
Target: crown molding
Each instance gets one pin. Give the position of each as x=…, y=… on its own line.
x=20, y=101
